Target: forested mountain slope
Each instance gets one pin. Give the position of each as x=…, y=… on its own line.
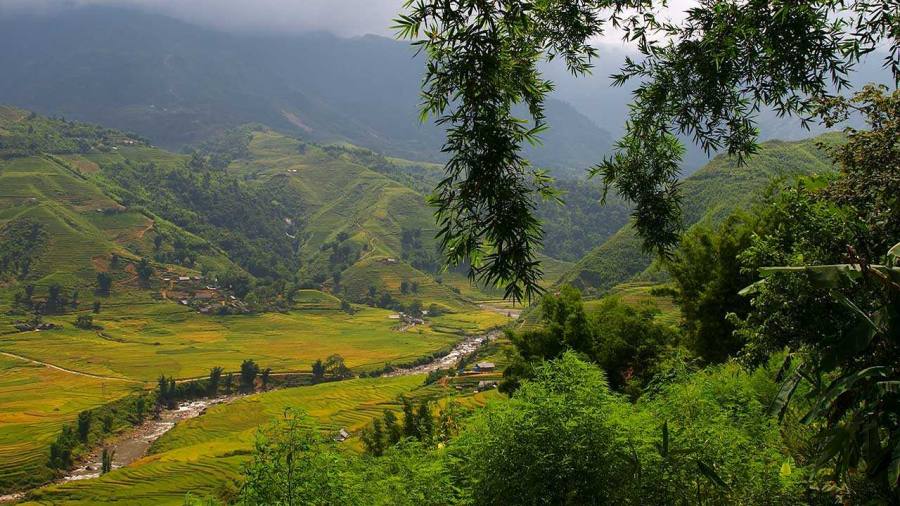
x=708, y=195
x=254, y=204
x=59, y=224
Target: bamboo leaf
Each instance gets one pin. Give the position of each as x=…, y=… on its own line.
x=889, y=387
x=709, y=472
x=752, y=289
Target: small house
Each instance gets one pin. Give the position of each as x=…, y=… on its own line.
x=485, y=366
x=485, y=385
x=342, y=436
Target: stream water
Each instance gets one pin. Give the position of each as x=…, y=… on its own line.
x=463, y=348
x=134, y=444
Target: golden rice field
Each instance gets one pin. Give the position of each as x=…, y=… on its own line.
x=141, y=340
x=35, y=401
x=202, y=454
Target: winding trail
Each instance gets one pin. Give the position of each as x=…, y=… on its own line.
x=70, y=371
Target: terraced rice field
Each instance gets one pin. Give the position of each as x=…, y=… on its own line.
x=201, y=454
x=142, y=339
x=82, y=222
x=145, y=341
x=640, y=294
x=35, y=402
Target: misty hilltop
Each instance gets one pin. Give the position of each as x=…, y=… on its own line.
x=179, y=84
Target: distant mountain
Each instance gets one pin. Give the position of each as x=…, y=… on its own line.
x=607, y=105
x=710, y=195
x=179, y=84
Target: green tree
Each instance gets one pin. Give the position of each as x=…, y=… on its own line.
x=61, y=449
x=84, y=425
x=55, y=299
x=425, y=423
x=625, y=340
x=144, y=271
x=373, y=438
x=293, y=464
x=139, y=409
x=84, y=321
x=334, y=365
x=318, y=370
x=410, y=427
x=265, y=376
x=705, y=77
x=629, y=344
x=104, y=283
x=173, y=394
x=229, y=383
x=106, y=460
x=393, y=430
x=707, y=277
x=96, y=307
x=249, y=371
x=215, y=379
x=835, y=304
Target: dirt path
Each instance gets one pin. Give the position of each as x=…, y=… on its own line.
x=70, y=371
x=140, y=235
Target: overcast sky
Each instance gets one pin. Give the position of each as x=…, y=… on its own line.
x=342, y=17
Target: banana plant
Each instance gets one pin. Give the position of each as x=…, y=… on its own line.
x=859, y=409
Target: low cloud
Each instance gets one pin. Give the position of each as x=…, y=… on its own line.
x=341, y=17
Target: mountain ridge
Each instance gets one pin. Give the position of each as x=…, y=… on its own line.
x=178, y=85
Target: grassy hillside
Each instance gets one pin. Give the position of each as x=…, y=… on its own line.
x=282, y=209
x=82, y=226
x=356, y=225
x=710, y=195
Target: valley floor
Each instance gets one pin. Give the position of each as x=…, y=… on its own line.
x=48, y=377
